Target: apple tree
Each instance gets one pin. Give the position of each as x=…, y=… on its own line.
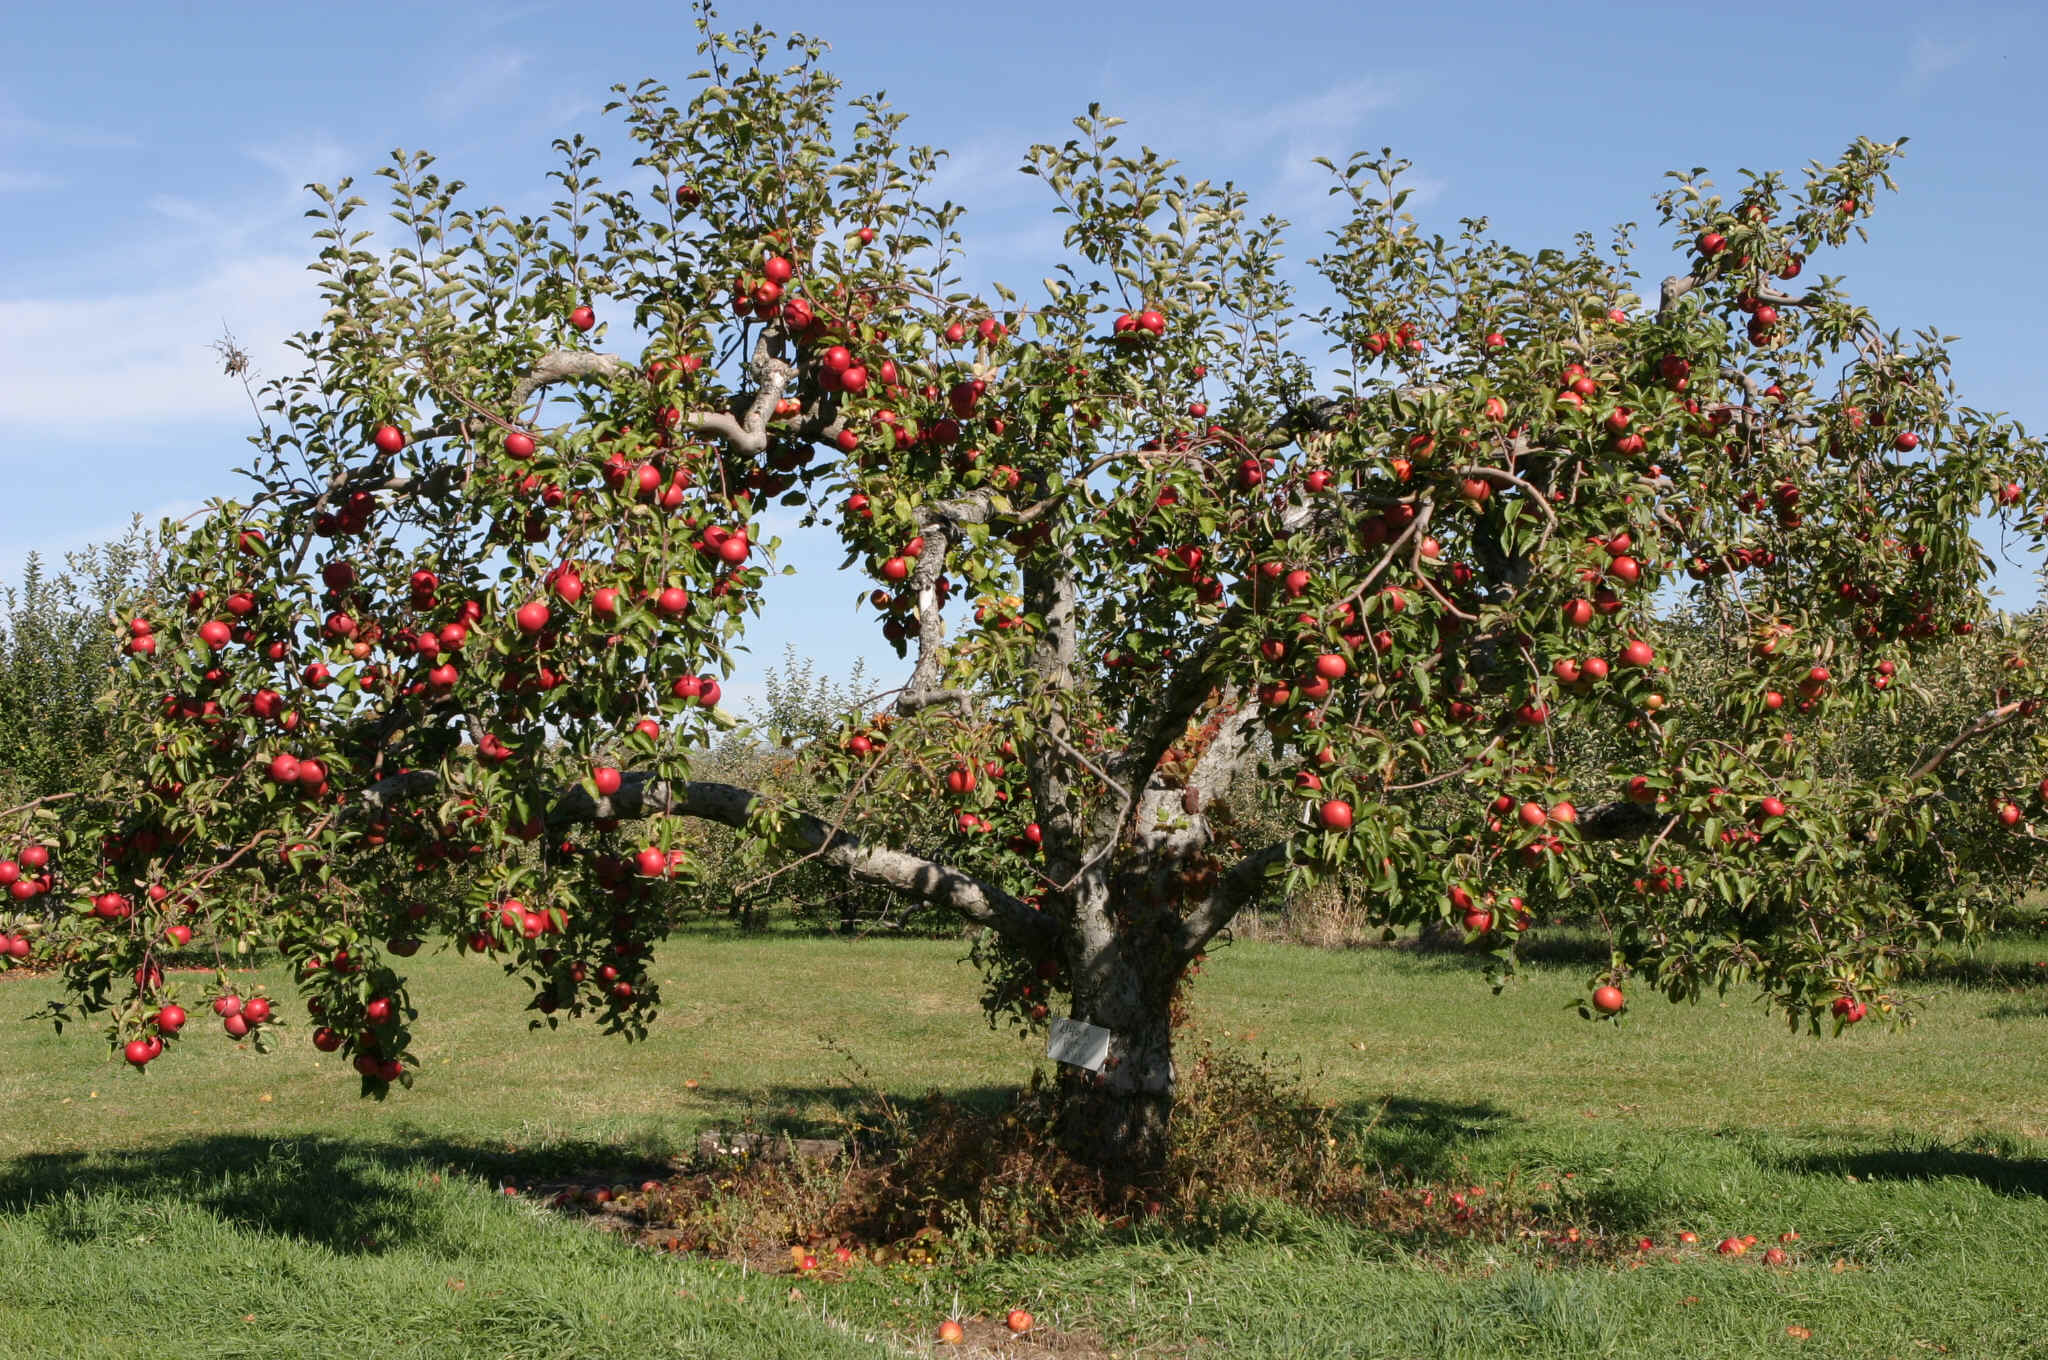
x=1391, y=553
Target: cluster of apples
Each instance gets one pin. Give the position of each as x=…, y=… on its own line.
x=27, y=874
x=1735, y=1246
x=239, y=1016
x=951, y=1333
x=168, y=1020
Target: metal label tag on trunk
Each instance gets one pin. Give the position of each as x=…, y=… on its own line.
x=1078, y=1044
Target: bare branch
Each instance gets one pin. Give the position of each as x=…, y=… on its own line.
x=1234, y=891
x=931, y=624
x=908, y=875
x=916, y=701
x=1983, y=725
x=1675, y=287
x=567, y=365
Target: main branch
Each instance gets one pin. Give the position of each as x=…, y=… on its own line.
x=898, y=871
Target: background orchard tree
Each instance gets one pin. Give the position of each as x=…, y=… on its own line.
x=55, y=653
x=470, y=627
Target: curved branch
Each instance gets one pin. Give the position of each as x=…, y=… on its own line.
x=1983, y=725
x=566, y=365
x=1505, y=478
x=1233, y=892
x=931, y=624
x=918, y=700
x=908, y=875
x=1675, y=287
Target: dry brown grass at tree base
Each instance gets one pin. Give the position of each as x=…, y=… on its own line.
x=941, y=1182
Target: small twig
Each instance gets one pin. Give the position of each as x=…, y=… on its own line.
x=1088, y=765
x=1985, y=723
x=1451, y=773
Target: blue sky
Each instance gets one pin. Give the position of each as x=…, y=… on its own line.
x=152, y=158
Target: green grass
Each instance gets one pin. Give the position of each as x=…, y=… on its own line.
x=232, y=1204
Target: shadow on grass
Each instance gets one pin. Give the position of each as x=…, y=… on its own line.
x=353, y=1196
x=358, y=1196
x=1968, y=971
x=1427, y=1140
x=2001, y=1165
x=1576, y=946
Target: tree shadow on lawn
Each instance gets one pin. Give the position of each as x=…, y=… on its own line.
x=1424, y=1140
x=1573, y=947
x=2001, y=1165
x=365, y=1197
x=353, y=1196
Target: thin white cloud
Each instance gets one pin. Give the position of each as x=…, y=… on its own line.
x=187, y=212
x=495, y=18
x=1324, y=118
x=982, y=169
x=136, y=362
x=489, y=76
x=313, y=159
x=1930, y=57
x=26, y=181
x=18, y=126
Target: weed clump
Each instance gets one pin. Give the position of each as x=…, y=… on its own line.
x=933, y=1179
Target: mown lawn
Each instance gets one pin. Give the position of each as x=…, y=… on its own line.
x=231, y=1204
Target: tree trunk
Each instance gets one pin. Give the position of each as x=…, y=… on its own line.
x=1117, y=1121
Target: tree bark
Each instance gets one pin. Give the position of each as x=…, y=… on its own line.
x=1123, y=968
x=1118, y=1121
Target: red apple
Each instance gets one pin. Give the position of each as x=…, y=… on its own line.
x=1607, y=1000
